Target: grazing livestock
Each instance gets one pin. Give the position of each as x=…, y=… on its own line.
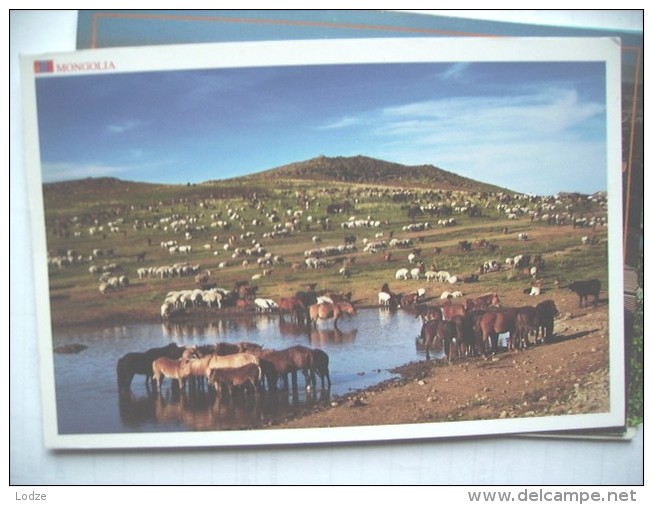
x=464, y=246
x=417, y=271
x=330, y=311
x=320, y=367
x=584, y=289
x=140, y=363
x=246, y=376
x=536, y=288
x=402, y=274
x=431, y=275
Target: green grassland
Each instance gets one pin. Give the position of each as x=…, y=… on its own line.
x=129, y=219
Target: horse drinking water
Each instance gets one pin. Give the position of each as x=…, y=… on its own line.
x=330, y=311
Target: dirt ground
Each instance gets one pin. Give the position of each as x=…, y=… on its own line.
x=569, y=375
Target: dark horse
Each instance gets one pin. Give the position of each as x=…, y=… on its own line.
x=140, y=363
x=440, y=336
x=320, y=367
x=281, y=363
x=545, y=313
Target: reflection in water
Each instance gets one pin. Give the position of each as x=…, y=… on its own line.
x=136, y=410
x=362, y=352
x=332, y=336
x=317, y=336
x=216, y=328
x=292, y=329
x=199, y=410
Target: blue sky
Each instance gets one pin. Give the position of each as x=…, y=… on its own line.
x=533, y=127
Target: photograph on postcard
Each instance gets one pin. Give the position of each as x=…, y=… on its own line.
x=326, y=241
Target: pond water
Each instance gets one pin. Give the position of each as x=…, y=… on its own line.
x=361, y=352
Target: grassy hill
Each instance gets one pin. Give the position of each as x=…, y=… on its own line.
x=365, y=170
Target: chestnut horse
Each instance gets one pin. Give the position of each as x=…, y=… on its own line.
x=280, y=363
x=483, y=302
x=492, y=323
x=524, y=325
x=452, y=309
x=293, y=306
x=330, y=311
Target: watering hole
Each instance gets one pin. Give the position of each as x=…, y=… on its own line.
x=362, y=351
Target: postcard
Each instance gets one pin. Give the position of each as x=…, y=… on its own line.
x=294, y=242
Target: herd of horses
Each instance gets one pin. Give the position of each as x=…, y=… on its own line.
x=305, y=308
x=473, y=328
x=224, y=366
x=459, y=330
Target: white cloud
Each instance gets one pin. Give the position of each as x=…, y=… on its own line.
x=529, y=142
x=455, y=72
x=123, y=126
x=71, y=171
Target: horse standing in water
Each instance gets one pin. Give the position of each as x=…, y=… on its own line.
x=330, y=311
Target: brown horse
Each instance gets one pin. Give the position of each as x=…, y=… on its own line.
x=330, y=311
x=281, y=363
x=524, y=325
x=482, y=302
x=493, y=323
x=246, y=375
x=452, y=309
x=293, y=306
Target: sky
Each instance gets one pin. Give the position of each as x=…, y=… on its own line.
x=533, y=127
